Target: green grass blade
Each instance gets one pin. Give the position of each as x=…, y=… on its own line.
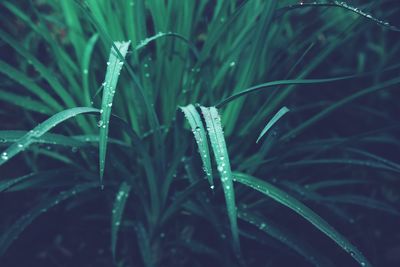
x=340, y=4
x=200, y=136
x=217, y=139
x=12, y=233
x=41, y=129
x=114, y=66
x=305, y=212
x=286, y=237
x=380, y=86
x=47, y=138
x=117, y=212
x=274, y=119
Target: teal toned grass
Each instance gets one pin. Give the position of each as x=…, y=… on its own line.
x=330, y=64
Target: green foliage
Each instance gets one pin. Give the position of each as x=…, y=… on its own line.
x=135, y=63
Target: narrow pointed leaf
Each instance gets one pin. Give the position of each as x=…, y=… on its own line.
x=114, y=66
x=41, y=129
x=217, y=139
x=305, y=212
x=274, y=119
x=199, y=133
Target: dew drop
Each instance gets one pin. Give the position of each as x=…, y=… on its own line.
x=4, y=156
x=99, y=123
x=85, y=71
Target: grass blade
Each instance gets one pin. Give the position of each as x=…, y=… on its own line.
x=199, y=133
x=305, y=212
x=41, y=129
x=114, y=66
x=274, y=119
x=286, y=237
x=214, y=127
x=117, y=212
x=47, y=138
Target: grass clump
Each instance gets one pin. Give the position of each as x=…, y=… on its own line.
x=136, y=176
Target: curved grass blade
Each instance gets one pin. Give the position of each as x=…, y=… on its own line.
x=12, y=233
x=114, y=66
x=274, y=119
x=117, y=212
x=340, y=4
x=145, y=42
x=46, y=138
x=199, y=133
x=364, y=163
x=286, y=237
x=305, y=212
x=217, y=139
x=339, y=103
x=41, y=129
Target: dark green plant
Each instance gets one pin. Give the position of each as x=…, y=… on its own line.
x=243, y=62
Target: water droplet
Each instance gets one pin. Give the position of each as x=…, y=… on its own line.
x=147, y=75
x=4, y=156
x=100, y=123
x=74, y=149
x=220, y=168
x=212, y=187
x=108, y=63
x=20, y=145
x=109, y=105
x=232, y=64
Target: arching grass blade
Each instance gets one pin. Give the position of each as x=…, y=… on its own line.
x=274, y=119
x=305, y=212
x=41, y=129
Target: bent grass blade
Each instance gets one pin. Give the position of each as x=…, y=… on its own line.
x=274, y=119
x=41, y=129
x=305, y=212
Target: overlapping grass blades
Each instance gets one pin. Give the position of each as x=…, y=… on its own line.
x=117, y=213
x=114, y=66
x=305, y=212
x=200, y=136
x=274, y=119
x=12, y=233
x=41, y=129
x=217, y=139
